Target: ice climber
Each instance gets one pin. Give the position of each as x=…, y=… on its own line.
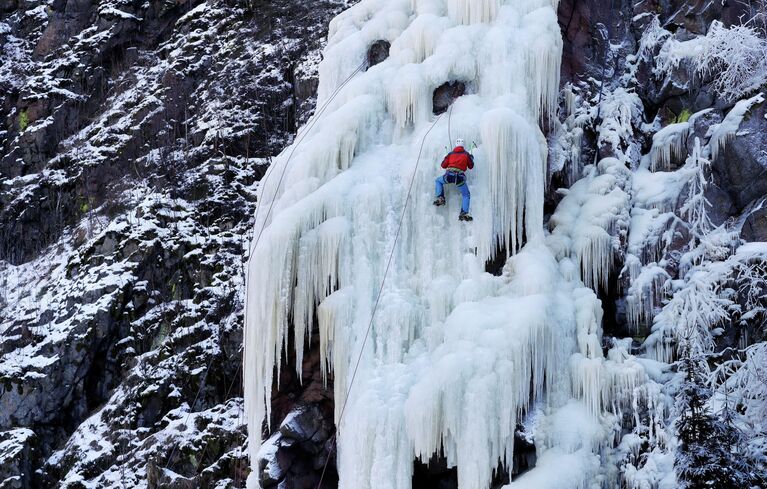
x=456, y=163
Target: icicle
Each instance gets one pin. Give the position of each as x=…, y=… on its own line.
x=725, y=132
x=587, y=381
x=472, y=11
x=646, y=235
x=647, y=290
x=586, y=218
x=408, y=98
x=542, y=66
x=317, y=275
x=670, y=142
x=516, y=176
x=660, y=346
x=419, y=41
x=263, y=347
x=623, y=376
x=589, y=322
x=334, y=315
x=337, y=156
x=569, y=99
x=459, y=383
x=439, y=295
x=400, y=319
x=576, y=165
x=594, y=249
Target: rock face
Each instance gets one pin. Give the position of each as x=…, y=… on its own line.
x=297, y=454
x=445, y=94
x=738, y=172
x=378, y=52
x=755, y=226
x=302, y=446
x=132, y=138
x=17, y=452
x=742, y=167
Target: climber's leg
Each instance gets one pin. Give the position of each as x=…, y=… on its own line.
x=439, y=191
x=465, y=194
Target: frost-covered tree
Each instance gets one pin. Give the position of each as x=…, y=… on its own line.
x=702, y=302
x=751, y=279
x=758, y=14
x=707, y=242
x=710, y=453
x=695, y=208
x=732, y=58
x=743, y=381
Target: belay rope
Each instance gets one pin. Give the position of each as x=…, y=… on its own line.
x=377, y=301
x=299, y=139
x=301, y=136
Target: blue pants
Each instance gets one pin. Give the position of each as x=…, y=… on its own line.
x=459, y=179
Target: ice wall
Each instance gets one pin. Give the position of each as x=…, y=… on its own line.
x=454, y=357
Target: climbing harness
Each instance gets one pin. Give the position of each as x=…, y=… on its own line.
x=455, y=176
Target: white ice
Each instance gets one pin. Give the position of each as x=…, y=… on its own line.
x=454, y=356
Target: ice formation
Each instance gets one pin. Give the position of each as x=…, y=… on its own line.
x=455, y=357
x=724, y=132
x=669, y=143
x=584, y=222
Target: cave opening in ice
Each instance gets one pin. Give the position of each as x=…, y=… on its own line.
x=454, y=357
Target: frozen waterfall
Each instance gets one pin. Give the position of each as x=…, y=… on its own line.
x=456, y=357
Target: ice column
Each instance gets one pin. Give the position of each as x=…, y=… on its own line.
x=329, y=222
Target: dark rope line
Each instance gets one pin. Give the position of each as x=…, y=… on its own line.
x=377, y=301
x=191, y=408
x=604, y=57
x=299, y=139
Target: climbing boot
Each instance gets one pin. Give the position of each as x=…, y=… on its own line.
x=465, y=216
x=440, y=201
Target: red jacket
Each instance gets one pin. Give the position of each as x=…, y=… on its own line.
x=458, y=159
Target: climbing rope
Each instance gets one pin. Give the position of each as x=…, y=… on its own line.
x=191, y=408
x=296, y=144
x=300, y=137
x=377, y=301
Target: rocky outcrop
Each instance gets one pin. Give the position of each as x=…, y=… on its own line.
x=17, y=448
x=132, y=138
x=299, y=449
x=741, y=169
x=755, y=226
x=445, y=94
x=378, y=52
x=301, y=453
